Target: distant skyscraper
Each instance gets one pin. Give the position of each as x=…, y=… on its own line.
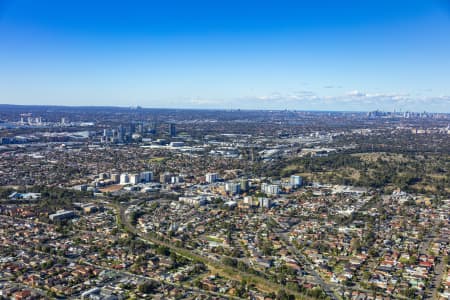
x=172, y=130
x=140, y=128
x=154, y=129
x=121, y=133
x=132, y=128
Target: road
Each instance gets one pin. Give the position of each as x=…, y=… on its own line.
x=432, y=293
x=325, y=286
x=119, y=272
x=438, y=272
x=309, y=268
x=226, y=271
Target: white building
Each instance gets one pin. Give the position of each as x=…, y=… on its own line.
x=296, y=181
x=62, y=215
x=248, y=200
x=176, y=179
x=124, y=178
x=264, y=202
x=233, y=188
x=196, y=201
x=270, y=189
x=211, y=177
x=134, y=178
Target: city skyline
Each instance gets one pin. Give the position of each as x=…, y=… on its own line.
x=290, y=55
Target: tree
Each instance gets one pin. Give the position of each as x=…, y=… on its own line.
x=282, y=295
x=148, y=286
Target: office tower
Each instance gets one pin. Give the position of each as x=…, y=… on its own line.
x=172, y=130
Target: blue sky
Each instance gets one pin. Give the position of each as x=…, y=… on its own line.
x=306, y=55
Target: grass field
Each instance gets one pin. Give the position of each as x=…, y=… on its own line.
x=156, y=159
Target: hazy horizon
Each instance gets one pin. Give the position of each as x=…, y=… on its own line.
x=211, y=109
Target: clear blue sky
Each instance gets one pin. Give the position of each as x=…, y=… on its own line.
x=319, y=55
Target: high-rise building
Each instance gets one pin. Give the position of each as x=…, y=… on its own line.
x=233, y=188
x=132, y=128
x=296, y=181
x=264, y=186
x=264, y=202
x=124, y=178
x=176, y=179
x=154, y=128
x=270, y=189
x=211, y=177
x=135, y=178
x=103, y=176
x=244, y=184
x=248, y=200
x=115, y=177
x=140, y=128
x=165, y=177
x=172, y=130
x=146, y=176
x=121, y=134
